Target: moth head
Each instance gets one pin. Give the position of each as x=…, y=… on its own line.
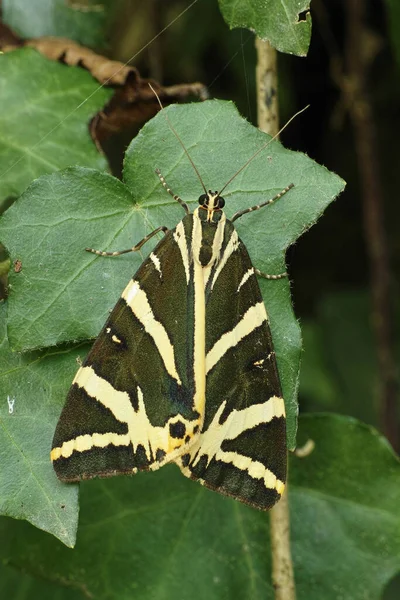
x=211, y=201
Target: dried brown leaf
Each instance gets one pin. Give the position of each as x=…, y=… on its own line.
x=106, y=71
x=133, y=102
x=8, y=39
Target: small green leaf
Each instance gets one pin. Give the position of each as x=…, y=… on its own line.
x=84, y=21
x=345, y=527
x=65, y=294
x=286, y=24
x=32, y=389
x=44, y=117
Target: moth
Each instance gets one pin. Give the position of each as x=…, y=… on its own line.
x=184, y=369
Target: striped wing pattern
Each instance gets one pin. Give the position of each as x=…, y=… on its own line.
x=134, y=404
x=241, y=451
x=184, y=370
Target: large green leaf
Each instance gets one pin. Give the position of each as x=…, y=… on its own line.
x=20, y=586
x=45, y=108
x=347, y=494
x=84, y=21
x=32, y=388
x=286, y=24
x=64, y=294
x=158, y=535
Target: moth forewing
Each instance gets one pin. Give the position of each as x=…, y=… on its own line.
x=241, y=451
x=184, y=370
x=135, y=403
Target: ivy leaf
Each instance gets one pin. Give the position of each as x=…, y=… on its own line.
x=47, y=127
x=63, y=293
x=32, y=387
x=345, y=516
x=345, y=527
x=286, y=24
x=17, y=585
x=84, y=21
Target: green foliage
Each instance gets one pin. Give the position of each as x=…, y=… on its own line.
x=84, y=21
x=63, y=294
x=141, y=530
x=393, y=9
x=281, y=23
x=20, y=586
x=345, y=518
x=45, y=111
x=339, y=367
x=32, y=387
x=157, y=535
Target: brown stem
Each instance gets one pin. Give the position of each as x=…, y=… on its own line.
x=355, y=87
x=282, y=566
x=268, y=121
x=267, y=88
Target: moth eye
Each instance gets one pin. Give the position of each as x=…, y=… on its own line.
x=221, y=202
x=202, y=199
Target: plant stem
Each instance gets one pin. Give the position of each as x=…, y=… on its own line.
x=268, y=121
x=267, y=87
x=282, y=566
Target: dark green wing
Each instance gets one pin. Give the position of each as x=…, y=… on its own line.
x=241, y=451
x=131, y=405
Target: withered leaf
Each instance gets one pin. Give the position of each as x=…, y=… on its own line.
x=133, y=102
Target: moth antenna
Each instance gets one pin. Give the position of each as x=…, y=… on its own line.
x=261, y=149
x=177, y=137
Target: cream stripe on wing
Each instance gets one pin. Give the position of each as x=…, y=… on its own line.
x=137, y=301
x=156, y=262
x=245, y=278
x=197, y=236
x=141, y=432
x=253, y=318
x=86, y=442
x=180, y=239
x=238, y=421
x=231, y=247
x=254, y=468
x=119, y=403
x=199, y=339
x=216, y=252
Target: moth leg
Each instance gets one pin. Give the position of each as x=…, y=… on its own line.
x=240, y=213
x=134, y=248
x=278, y=276
x=175, y=197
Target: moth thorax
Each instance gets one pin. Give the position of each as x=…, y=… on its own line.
x=208, y=235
